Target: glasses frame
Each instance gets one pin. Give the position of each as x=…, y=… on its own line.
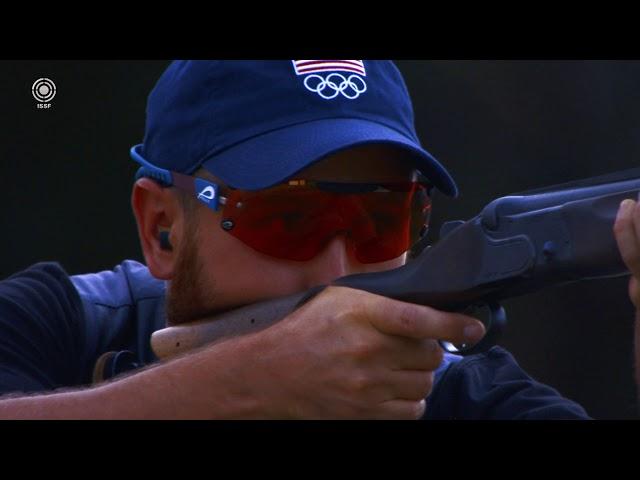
x=209, y=192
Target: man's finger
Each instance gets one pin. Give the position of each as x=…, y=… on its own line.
x=393, y=317
x=401, y=410
x=635, y=220
x=411, y=354
x=410, y=385
x=626, y=237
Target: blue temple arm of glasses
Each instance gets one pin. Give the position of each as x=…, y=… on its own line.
x=148, y=170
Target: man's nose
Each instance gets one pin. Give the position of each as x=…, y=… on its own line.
x=335, y=260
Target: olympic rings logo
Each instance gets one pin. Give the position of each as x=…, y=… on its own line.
x=336, y=84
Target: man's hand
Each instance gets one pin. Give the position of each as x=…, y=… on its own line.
x=345, y=354
x=352, y=354
x=627, y=233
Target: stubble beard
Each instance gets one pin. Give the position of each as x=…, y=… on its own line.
x=188, y=297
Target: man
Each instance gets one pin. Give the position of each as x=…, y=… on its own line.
x=258, y=180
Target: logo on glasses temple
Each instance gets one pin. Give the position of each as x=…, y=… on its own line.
x=207, y=194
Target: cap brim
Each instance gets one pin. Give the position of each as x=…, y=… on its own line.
x=273, y=157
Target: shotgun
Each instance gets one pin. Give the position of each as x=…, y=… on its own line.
x=517, y=244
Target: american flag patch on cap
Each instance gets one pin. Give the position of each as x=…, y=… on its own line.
x=304, y=67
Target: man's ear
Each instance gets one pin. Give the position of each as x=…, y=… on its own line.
x=157, y=210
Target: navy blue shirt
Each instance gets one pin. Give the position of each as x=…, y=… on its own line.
x=54, y=327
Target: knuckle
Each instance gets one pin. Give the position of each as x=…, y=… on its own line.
x=344, y=316
x=436, y=354
x=360, y=350
x=336, y=296
x=347, y=294
x=350, y=307
x=621, y=218
x=631, y=257
x=428, y=384
x=620, y=224
x=623, y=230
x=414, y=410
x=360, y=383
x=430, y=354
x=421, y=386
x=420, y=408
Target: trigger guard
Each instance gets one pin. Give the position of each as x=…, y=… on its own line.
x=494, y=328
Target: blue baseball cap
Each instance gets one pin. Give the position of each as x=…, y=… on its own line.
x=255, y=124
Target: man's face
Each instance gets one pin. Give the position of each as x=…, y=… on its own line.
x=215, y=271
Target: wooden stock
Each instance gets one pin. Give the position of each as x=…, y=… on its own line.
x=179, y=339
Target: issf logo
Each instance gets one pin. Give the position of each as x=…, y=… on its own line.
x=43, y=90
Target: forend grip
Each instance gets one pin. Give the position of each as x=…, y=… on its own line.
x=547, y=198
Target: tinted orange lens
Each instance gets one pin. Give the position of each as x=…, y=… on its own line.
x=296, y=223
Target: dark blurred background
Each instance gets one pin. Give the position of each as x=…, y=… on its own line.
x=498, y=126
